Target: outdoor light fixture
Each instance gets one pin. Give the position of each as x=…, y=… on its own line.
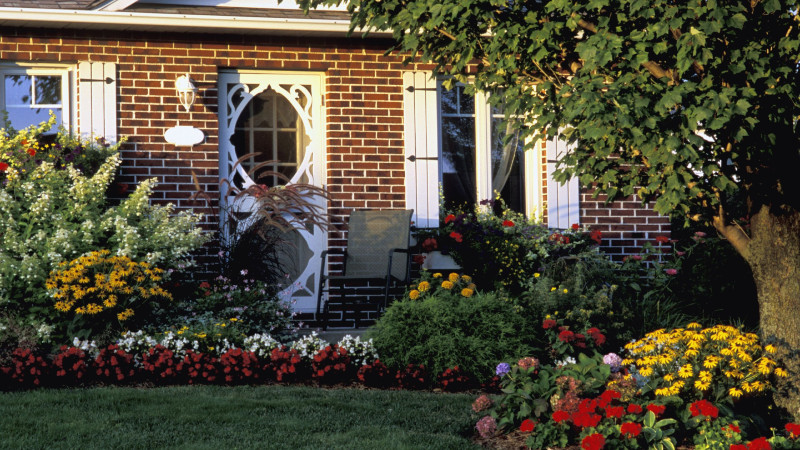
x=185, y=135
x=186, y=90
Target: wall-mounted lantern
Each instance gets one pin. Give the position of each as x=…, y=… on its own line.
x=186, y=90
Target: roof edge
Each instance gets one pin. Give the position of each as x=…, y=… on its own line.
x=108, y=20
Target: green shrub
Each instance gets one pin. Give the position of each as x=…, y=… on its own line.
x=53, y=208
x=472, y=333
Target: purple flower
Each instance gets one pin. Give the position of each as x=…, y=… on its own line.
x=613, y=360
x=502, y=369
x=486, y=427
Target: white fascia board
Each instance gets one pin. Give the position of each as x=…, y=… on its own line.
x=59, y=18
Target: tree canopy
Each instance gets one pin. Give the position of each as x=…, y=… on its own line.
x=680, y=102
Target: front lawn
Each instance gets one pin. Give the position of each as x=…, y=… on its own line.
x=217, y=417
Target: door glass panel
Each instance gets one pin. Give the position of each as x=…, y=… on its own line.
x=270, y=125
x=458, y=148
x=507, y=170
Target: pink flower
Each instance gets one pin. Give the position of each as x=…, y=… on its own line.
x=671, y=271
x=486, y=427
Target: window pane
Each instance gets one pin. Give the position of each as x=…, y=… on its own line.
x=466, y=102
x=48, y=90
x=449, y=101
x=458, y=161
x=18, y=90
x=507, y=170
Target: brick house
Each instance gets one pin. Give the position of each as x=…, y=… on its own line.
x=333, y=109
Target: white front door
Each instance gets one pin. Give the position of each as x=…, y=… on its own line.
x=278, y=115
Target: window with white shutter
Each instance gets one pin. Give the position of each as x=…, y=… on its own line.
x=97, y=88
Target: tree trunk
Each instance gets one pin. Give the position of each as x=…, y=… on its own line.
x=773, y=254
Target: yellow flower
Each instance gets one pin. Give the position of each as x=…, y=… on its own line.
x=669, y=377
x=770, y=348
x=685, y=371
x=446, y=284
x=124, y=315
x=536, y=275
x=694, y=325
x=466, y=278
x=453, y=277
x=424, y=286
x=234, y=319
x=781, y=372
x=735, y=393
x=467, y=292
x=437, y=275
x=565, y=291
x=553, y=289
x=701, y=385
x=413, y=295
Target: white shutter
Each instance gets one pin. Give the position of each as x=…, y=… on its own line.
x=421, y=126
x=563, y=200
x=97, y=110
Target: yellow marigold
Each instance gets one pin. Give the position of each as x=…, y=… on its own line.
x=536, y=275
x=437, y=275
x=424, y=286
x=466, y=278
x=453, y=277
x=413, y=295
x=467, y=292
x=553, y=288
x=447, y=284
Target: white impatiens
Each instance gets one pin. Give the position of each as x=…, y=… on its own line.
x=360, y=352
x=260, y=344
x=308, y=345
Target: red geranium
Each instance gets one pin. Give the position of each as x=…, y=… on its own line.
x=705, y=408
x=737, y=447
x=566, y=336
x=759, y=444
x=633, y=408
x=548, y=323
x=615, y=412
x=593, y=442
x=560, y=416
x=596, y=236
x=793, y=429
x=456, y=236
x=3, y=167
x=597, y=335
x=527, y=426
x=586, y=419
x=31, y=152
x=508, y=223
x=449, y=218
x=575, y=226
x=630, y=429
x=656, y=409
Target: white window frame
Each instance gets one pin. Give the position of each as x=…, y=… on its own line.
x=66, y=72
x=531, y=164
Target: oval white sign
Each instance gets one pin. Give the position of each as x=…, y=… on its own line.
x=184, y=136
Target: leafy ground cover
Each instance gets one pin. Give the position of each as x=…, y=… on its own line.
x=199, y=417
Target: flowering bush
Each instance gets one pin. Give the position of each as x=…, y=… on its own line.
x=502, y=249
x=436, y=284
x=286, y=364
x=161, y=365
x=565, y=342
x=114, y=365
x=308, y=345
x=71, y=365
x=360, y=352
x=260, y=344
x=238, y=366
x=200, y=367
x=719, y=362
x=330, y=365
x=375, y=374
x=256, y=306
x=413, y=377
x=26, y=369
x=103, y=292
x=454, y=380
x=53, y=208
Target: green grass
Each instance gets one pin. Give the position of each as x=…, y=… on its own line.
x=214, y=417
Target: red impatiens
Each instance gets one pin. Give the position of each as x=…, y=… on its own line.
x=449, y=218
x=456, y=236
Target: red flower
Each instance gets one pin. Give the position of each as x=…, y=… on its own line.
x=630, y=429
x=662, y=239
x=575, y=226
x=633, y=408
x=656, y=409
x=31, y=152
x=449, y=218
x=560, y=416
x=597, y=335
x=607, y=396
x=3, y=167
x=733, y=428
x=596, y=236
x=548, y=323
x=429, y=245
x=527, y=426
x=418, y=259
x=586, y=419
x=593, y=442
x=566, y=336
x=793, y=429
x=456, y=236
x=738, y=447
x=508, y=223
x=705, y=408
x=205, y=285
x=759, y=444
x=615, y=411
x=671, y=271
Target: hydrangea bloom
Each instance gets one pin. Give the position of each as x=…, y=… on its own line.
x=613, y=360
x=502, y=369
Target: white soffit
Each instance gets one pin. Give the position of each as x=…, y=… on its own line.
x=120, y=20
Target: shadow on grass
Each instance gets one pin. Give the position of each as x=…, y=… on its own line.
x=215, y=417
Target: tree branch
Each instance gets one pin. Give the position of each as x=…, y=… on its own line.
x=733, y=233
